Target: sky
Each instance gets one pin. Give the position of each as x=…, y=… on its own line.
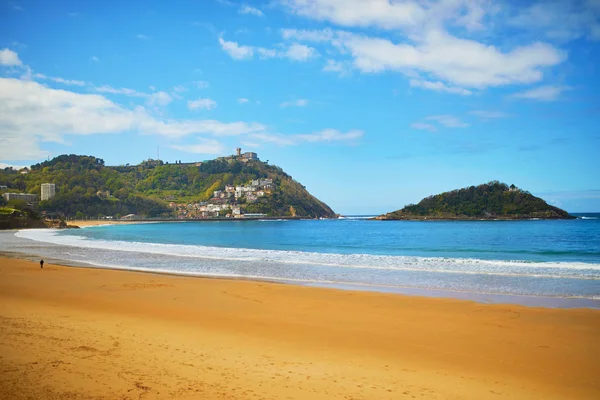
x=371, y=104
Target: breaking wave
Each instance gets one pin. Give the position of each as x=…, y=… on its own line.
x=281, y=259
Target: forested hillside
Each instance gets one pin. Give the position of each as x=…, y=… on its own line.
x=493, y=200
x=146, y=189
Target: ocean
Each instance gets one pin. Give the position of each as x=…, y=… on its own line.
x=547, y=263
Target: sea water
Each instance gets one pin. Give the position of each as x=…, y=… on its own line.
x=467, y=259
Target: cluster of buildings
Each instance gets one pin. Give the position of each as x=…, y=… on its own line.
x=48, y=191
x=226, y=203
x=250, y=192
x=206, y=210
x=243, y=157
x=238, y=156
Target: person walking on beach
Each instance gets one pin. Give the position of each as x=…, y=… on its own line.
x=42, y=263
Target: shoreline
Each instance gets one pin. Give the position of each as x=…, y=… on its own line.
x=88, y=223
x=523, y=300
x=115, y=334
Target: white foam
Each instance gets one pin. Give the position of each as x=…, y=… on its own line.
x=578, y=270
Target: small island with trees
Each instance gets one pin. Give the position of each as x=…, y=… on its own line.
x=490, y=201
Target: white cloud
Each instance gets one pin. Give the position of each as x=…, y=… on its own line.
x=205, y=146
x=440, y=87
x=423, y=126
x=142, y=37
x=449, y=121
x=295, y=103
x=31, y=113
x=176, y=129
x=236, y=51
x=201, y=84
x=326, y=135
x=242, y=100
x=9, y=58
x=460, y=62
x=266, y=53
x=245, y=9
x=427, y=50
x=386, y=14
x=558, y=19
x=484, y=114
x=331, y=135
x=202, y=104
x=341, y=67
x=159, y=99
x=280, y=140
x=300, y=52
x=69, y=82
x=324, y=35
x=295, y=52
x=124, y=91
x=4, y=165
x=179, y=89
x=543, y=93
x=246, y=143
x=94, y=59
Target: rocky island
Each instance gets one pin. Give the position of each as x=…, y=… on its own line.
x=490, y=201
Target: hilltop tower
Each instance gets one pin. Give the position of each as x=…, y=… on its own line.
x=238, y=151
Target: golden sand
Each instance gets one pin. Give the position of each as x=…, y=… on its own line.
x=77, y=333
x=84, y=223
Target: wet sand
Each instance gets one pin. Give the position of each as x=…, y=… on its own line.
x=82, y=333
x=84, y=223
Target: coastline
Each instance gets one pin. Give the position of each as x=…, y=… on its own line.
x=109, y=333
x=87, y=223
x=477, y=297
x=180, y=262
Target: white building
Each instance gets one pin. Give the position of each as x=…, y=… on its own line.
x=28, y=197
x=48, y=191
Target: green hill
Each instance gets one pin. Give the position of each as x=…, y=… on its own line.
x=13, y=218
x=493, y=200
x=147, y=189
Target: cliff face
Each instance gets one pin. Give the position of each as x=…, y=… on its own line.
x=493, y=200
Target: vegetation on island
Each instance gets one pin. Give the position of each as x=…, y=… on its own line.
x=85, y=186
x=493, y=200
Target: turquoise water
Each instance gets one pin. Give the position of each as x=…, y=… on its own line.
x=530, y=258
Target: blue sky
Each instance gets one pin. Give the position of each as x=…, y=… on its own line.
x=370, y=104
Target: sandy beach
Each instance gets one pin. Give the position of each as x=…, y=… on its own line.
x=83, y=333
x=99, y=222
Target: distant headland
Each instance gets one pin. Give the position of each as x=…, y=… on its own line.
x=490, y=201
x=80, y=187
